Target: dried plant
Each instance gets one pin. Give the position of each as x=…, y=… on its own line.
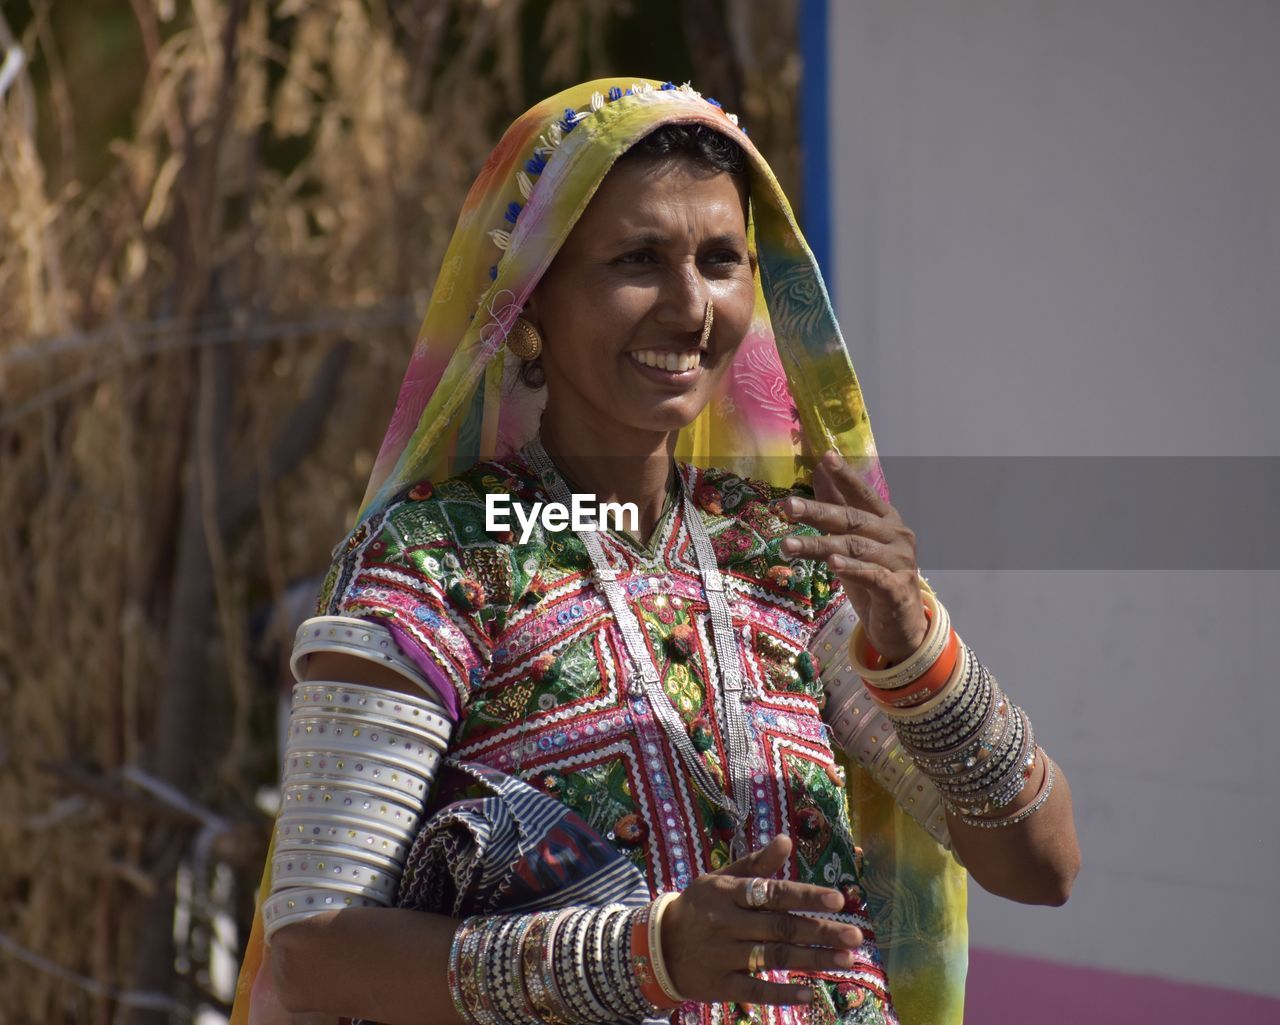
x=198, y=353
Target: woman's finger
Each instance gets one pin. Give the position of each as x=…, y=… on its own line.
x=784, y=895
x=851, y=487
x=794, y=959
x=795, y=929
x=835, y=518
x=860, y=572
x=764, y=862
x=851, y=545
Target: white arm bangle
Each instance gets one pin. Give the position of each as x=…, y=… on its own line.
x=358, y=767
x=865, y=733
x=293, y=905
x=420, y=712
x=351, y=636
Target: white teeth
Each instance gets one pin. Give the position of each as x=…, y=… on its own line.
x=673, y=363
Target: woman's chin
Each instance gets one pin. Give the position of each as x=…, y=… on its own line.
x=673, y=413
x=631, y=409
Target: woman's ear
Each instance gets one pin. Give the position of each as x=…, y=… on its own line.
x=530, y=311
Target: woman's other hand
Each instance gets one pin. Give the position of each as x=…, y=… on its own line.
x=869, y=548
x=709, y=931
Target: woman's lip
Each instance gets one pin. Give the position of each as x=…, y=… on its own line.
x=667, y=377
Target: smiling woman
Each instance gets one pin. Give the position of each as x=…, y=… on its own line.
x=587, y=775
x=642, y=312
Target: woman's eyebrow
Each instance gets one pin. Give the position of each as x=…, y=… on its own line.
x=658, y=240
x=727, y=239
x=644, y=238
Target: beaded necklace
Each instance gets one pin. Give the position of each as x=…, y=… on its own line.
x=644, y=680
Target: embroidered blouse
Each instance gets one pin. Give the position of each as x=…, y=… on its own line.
x=522, y=647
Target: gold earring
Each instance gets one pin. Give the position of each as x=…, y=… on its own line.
x=706, y=324
x=523, y=340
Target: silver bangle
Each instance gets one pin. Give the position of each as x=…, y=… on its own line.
x=504, y=989
x=1022, y=814
x=963, y=756
x=349, y=874
x=298, y=903
x=975, y=757
x=381, y=805
x=341, y=698
x=351, y=636
x=352, y=832
x=339, y=767
x=357, y=773
x=555, y=995
x=373, y=741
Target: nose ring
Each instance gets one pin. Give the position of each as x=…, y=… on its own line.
x=706, y=324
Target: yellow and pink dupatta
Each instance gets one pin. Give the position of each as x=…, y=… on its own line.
x=790, y=393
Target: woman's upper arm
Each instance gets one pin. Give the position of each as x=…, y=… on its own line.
x=412, y=576
x=338, y=667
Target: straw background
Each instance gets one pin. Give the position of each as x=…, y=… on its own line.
x=219, y=222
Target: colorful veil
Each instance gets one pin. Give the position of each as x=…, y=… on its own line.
x=790, y=393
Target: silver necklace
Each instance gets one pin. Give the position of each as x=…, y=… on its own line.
x=644, y=679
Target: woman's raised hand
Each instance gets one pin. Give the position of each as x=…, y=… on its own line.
x=710, y=931
x=869, y=548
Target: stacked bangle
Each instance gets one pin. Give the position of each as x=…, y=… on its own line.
x=949, y=715
x=1035, y=804
x=862, y=730
x=891, y=681
x=575, y=966
x=358, y=766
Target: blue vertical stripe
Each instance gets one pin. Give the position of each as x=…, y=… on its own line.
x=814, y=138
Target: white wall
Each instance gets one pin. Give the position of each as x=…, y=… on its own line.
x=1057, y=232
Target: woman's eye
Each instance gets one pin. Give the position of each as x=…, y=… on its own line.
x=726, y=256
x=638, y=256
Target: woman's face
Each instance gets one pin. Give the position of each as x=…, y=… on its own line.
x=621, y=308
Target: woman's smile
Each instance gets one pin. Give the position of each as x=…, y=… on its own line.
x=668, y=366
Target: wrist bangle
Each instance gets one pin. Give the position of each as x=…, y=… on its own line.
x=945, y=694
x=930, y=683
x=558, y=1008
x=1025, y=812
x=915, y=664
x=618, y=943
x=642, y=962
x=658, y=908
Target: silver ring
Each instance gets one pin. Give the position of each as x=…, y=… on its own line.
x=758, y=893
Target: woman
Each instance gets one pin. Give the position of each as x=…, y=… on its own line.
x=642, y=807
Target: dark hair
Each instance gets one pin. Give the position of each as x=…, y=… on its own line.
x=695, y=142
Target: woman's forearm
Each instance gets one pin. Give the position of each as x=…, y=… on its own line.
x=388, y=965
x=1034, y=861
x=383, y=964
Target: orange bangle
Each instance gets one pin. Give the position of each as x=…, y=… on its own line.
x=874, y=659
x=642, y=963
x=921, y=690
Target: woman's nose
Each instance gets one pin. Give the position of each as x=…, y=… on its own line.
x=686, y=297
